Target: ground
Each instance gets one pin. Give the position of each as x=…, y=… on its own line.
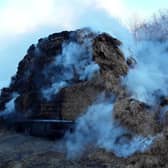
x=22, y=151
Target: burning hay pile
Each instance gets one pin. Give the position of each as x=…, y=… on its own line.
x=83, y=76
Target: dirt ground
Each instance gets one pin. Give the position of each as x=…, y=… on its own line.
x=21, y=151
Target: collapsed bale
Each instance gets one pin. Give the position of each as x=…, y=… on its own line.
x=136, y=116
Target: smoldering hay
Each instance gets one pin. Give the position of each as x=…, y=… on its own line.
x=84, y=76
x=97, y=128
x=76, y=62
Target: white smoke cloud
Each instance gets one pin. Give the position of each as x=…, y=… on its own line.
x=149, y=77
x=97, y=128
x=163, y=112
x=54, y=89
x=10, y=106
x=75, y=63
x=29, y=14
x=114, y=8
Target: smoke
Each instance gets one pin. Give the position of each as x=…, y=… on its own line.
x=10, y=106
x=148, y=80
x=97, y=128
x=75, y=64
x=163, y=114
